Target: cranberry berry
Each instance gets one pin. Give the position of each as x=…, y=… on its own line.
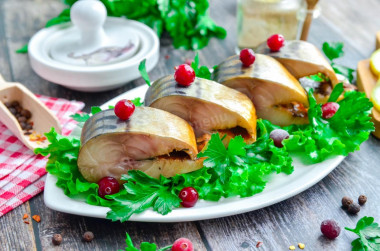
x=107, y=186
x=278, y=135
x=275, y=42
x=330, y=229
x=329, y=109
x=124, y=109
x=183, y=244
x=189, y=196
x=184, y=75
x=247, y=57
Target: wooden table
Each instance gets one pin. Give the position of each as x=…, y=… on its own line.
x=287, y=223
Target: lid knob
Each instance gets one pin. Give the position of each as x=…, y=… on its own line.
x=89, y=17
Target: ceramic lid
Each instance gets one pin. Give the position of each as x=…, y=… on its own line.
x=94, y=52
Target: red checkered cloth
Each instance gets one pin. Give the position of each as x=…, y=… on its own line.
x=22, y=174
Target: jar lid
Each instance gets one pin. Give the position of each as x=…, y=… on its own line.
x=93, y=53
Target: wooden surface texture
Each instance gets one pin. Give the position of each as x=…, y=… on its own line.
x=287, y=223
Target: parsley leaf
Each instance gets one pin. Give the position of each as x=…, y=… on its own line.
x=319, y=77
x=145, y=246
x=200, y=71
x=369, y=235
x=142, y=192
x=137, y=101
x=23, y=49
x=80, y=117
x=143, y=72
x=333, y=50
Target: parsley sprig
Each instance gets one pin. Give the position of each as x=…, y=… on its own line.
x=187, y=22
x=334, y=51
x=144, y=246
x=369, y=235
x=339, y=135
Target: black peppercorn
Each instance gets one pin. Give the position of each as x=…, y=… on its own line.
x=346, y=201
x=15, y=103
x=88, y=236
x=26, y=113
x=353, y=208
x=57, y=239
x=362, y=199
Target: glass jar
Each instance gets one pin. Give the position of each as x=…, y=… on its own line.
x=259, y=19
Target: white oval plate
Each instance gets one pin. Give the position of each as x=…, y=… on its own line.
x=280, y=187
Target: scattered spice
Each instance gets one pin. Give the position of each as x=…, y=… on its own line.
x=346, y=201
x=301, y=245
x=259, y=244
x=36, y=137
x=167, y=56
x=36, y=217
x=57, y=239
x=292, y=247
x=25, y=216
x=354, y=208
x=362, y=200
x=26, y=222
x=88, y=236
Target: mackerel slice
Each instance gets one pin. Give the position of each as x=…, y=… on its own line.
x=208, y=106
x=276, y=94
x=302, y=59
x=151, y=140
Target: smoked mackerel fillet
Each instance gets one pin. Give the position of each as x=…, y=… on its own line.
x=275, y=93
x=302, y=59
x=208, y=106
x=151, y=140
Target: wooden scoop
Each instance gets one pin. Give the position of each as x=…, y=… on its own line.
x=42, y=117
x=309, y=17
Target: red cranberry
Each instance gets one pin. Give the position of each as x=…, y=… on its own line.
x=183, y=244
x=184, y=75
x=124, y=109
x=275, y=42
x=189, y=196
x=330, y=229
x=247, y=57
x=329, y=109
x=278, y=135
x=107, y=186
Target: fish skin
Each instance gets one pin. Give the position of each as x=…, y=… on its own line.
x=227, y=108
x=111, y=147
x=301, y=59
x=267, y=83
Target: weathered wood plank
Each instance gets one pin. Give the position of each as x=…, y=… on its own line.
x=294, y=220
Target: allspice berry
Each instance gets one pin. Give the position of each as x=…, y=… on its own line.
x=362, y=199
x=57, y=239
x=88, y=236
x=346, y=201
x=353, y=208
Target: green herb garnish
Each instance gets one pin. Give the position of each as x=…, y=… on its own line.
x=82, y=117
x=200, y=71
x=369, y=235
x=339, y=135
x=144, y=246
x=187, y=22
x=237, y=170
x=143, y=72
x=319, y=77
x=334, y=51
